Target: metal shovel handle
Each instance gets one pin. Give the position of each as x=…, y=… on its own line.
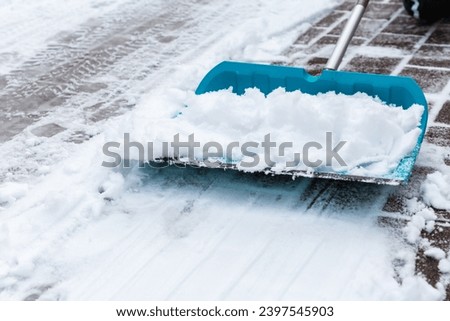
x=347, y=35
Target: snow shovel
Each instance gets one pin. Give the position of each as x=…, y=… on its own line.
x=393, y=90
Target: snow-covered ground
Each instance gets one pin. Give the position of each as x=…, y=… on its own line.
x=72, y=229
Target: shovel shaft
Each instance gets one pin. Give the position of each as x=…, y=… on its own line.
x=347, y=35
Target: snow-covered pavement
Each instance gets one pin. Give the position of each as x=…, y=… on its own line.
x=72, y=229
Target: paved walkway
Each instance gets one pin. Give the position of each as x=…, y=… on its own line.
x=389, y=41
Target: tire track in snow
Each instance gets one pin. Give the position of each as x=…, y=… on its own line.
x=158, y=32
x=68, y=46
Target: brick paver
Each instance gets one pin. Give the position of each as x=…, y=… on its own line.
x=391, y=42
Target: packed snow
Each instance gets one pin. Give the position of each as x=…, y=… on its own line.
x=423, y=218
x=444, y=265
x=436, y=190
x=435, y=253
x=384, y=134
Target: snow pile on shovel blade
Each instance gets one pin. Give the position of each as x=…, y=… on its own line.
x=283, y=131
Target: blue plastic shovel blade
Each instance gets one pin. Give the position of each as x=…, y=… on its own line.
x=393, y=90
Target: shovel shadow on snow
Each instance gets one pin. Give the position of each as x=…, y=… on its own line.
x=280, y=192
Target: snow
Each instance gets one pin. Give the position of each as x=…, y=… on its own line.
x=27, y=27
x=132, y=235
x=385, y=134
x=72, y=229
x=444, y=266
x=422, y=219
x=435, y=253
x=10, y=192
x=436, y=190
